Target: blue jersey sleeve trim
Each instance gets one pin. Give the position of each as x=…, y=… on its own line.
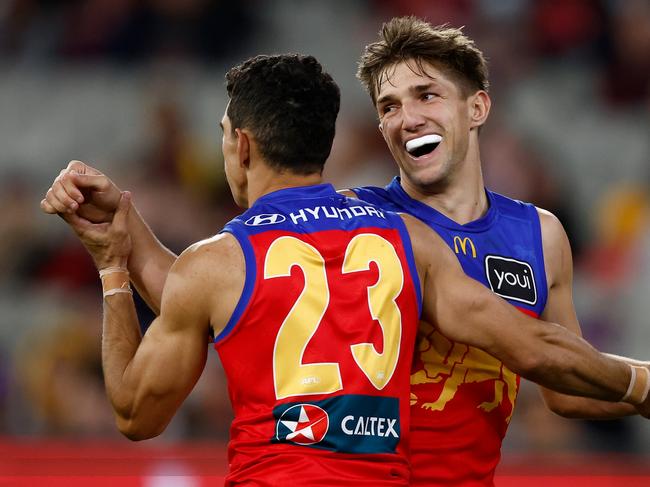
x=410, y=257
x=539, y=251
x=249, y=283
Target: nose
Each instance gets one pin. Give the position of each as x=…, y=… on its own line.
x=412, y=119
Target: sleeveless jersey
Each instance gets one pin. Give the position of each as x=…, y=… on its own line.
x=462, y=398
x=319, y=348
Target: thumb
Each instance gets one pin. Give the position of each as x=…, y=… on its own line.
x=122, y=211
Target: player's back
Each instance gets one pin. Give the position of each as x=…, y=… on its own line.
x=319, y=348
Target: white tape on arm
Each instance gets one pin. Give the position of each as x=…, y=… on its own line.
x=115, y=280
x=637, y=391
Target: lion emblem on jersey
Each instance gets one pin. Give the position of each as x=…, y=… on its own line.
x=457, y=364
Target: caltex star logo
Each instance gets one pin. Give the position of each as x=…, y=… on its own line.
x=304, y=424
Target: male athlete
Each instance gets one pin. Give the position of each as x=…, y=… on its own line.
x=429, y=86
x=301, y=292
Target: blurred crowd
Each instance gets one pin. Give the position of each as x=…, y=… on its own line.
x=135, y=88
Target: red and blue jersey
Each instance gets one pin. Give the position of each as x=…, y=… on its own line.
x=319, y=348
x=462, y=398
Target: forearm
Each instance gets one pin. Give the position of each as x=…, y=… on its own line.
x=120, y=341
x=585, y=408
x=149, y=262
x=572, y=366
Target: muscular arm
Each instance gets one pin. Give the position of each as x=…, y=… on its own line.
x=546, y=353
x=147, y=379
x=560, y=309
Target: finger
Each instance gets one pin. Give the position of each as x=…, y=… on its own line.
x=82, y=168
x=60, y=202
x=95, y=182
x=47, y=207
x=59, y=197
x=67, y=181
x=77, y=166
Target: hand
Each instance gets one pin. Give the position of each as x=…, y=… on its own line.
x=82, y=189
x=109, y=244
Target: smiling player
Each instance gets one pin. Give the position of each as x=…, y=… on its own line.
x=430, y=88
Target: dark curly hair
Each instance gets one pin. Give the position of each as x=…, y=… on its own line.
x=412, y=39
x=290, y=106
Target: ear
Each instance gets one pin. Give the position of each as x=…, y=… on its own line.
x=479, y=107
x=243, y=148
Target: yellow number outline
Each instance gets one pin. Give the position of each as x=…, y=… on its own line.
x=304, y=318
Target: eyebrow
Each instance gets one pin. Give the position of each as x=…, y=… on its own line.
x=422, y=88
x=221, y=125
x=384, y=99
x=417, y=89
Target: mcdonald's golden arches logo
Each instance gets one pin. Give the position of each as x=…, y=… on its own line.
x=460, y=245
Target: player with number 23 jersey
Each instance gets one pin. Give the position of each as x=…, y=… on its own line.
x=323, y=385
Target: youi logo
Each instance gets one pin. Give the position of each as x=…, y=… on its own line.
x=511, y=279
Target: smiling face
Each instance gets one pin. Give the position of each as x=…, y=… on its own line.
x=428, y=123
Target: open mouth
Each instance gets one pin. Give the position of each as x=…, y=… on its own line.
x=423, y=145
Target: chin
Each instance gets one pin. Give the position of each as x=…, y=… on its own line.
x=426, y=178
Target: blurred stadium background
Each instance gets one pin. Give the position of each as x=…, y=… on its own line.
x=135, y=88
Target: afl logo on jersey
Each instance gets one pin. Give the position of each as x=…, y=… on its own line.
x=265, y=219
x=303, y=424
x=511, y=279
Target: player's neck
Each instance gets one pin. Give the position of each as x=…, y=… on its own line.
x=265, y=180
x=461, y=197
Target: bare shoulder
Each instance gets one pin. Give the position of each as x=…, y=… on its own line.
x=207, y=266
x=222, y=245
x=552, y=228
x=553, y=233
x=555, y=242
x=428, y=246
x=417, y=229
x=420, y=232
x=206, y=280
x=219, y=258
